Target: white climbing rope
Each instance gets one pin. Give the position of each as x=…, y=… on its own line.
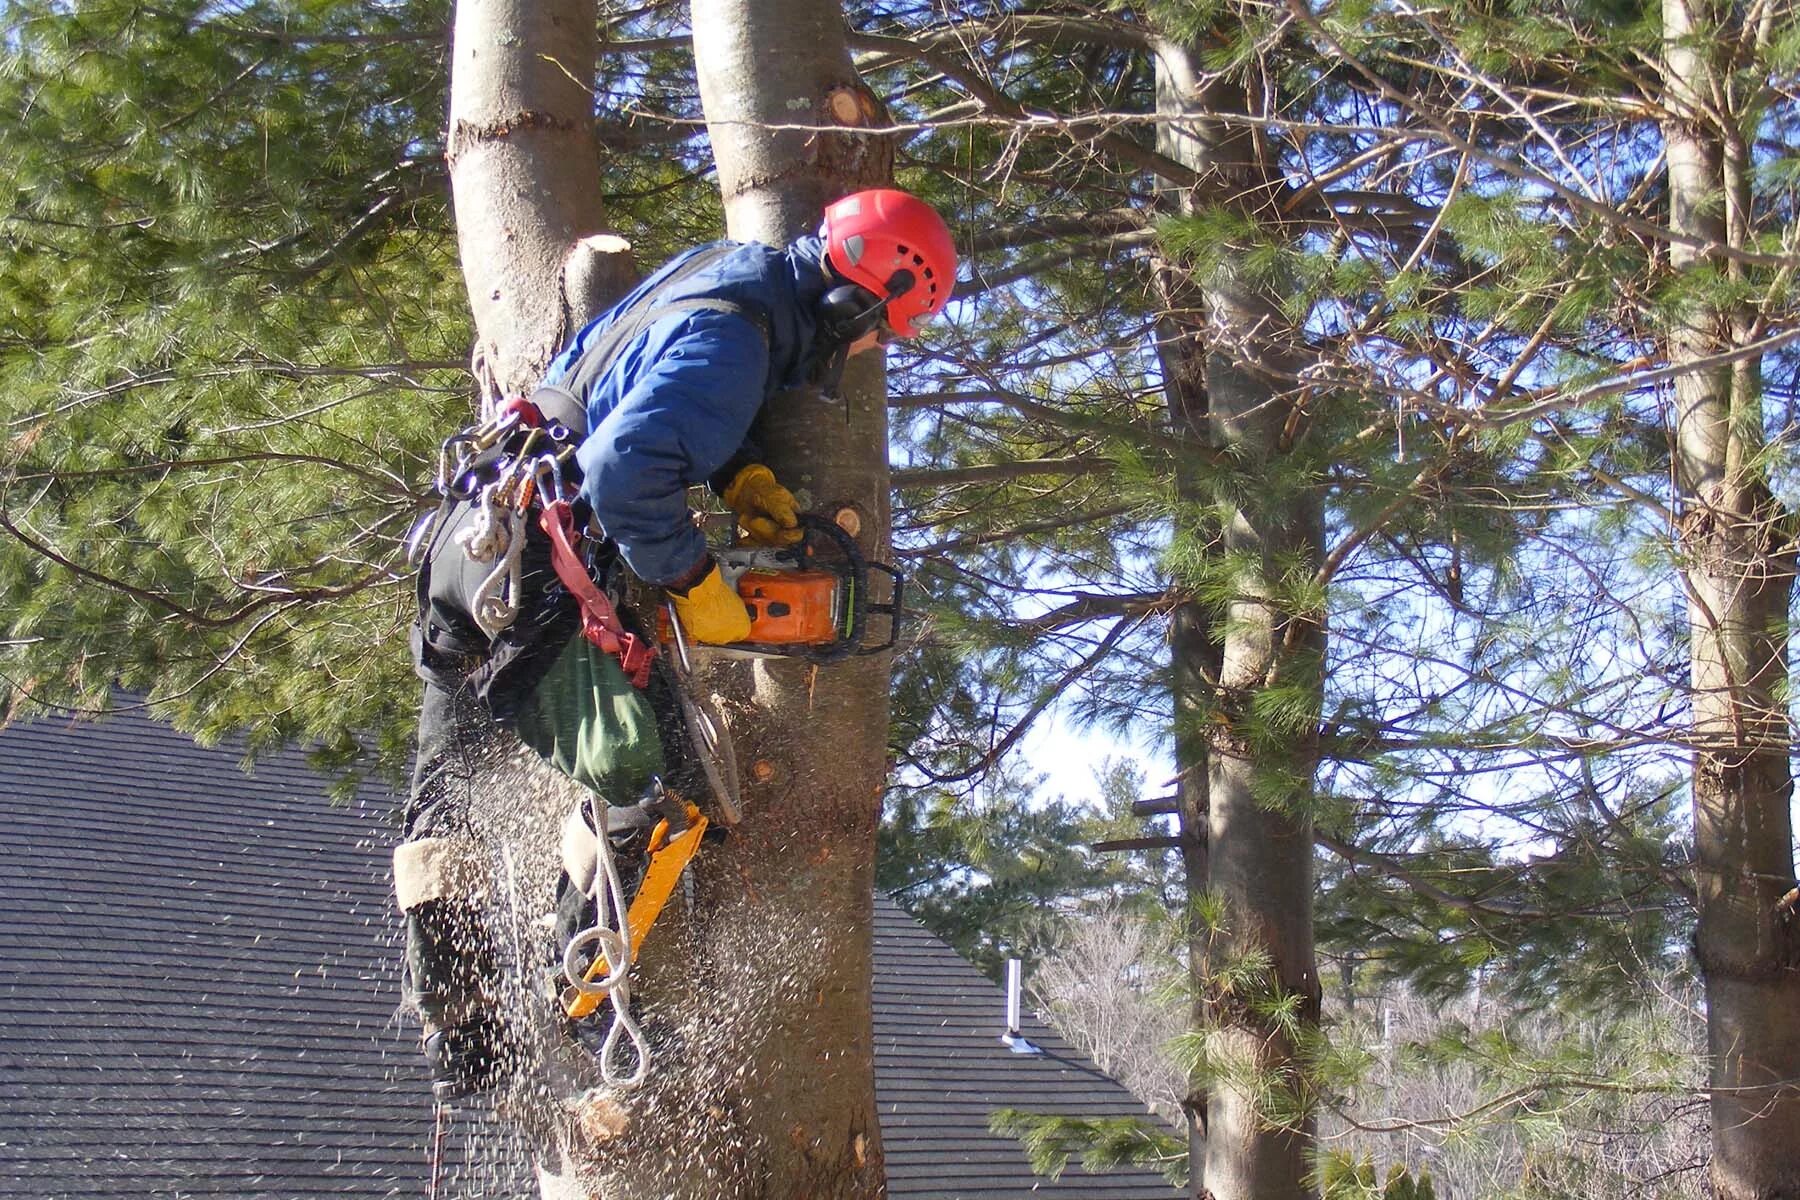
x=488, y=535
x=494, y=536
x=610, y=935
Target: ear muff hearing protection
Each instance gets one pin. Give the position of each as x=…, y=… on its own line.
x=848, y=312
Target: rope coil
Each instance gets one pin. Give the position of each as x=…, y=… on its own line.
x=494, y=536
x=610, y=935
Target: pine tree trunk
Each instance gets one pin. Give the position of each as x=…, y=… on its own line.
x=1258, y=858
x=1738, y=567
x=815, y=740
x=1193, y=658
x=525, y=174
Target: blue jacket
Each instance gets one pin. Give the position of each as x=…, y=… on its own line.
x=677, y=401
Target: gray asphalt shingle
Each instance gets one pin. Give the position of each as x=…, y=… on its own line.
x=199, y=998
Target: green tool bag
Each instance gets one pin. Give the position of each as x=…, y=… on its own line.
x=588, y=722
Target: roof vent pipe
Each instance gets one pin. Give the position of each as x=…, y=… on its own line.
x=1015, y=1041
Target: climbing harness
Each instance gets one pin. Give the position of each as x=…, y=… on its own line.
x=506, y=469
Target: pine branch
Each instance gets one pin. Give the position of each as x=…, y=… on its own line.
x=945, y=477
x=1067, y=418
x=1392, y=868
x=1055, y=227
x=999, y=103
x=206, y=620
x=1045, y=698
x=1012, y=534
x=390, y=485
x=1515, y=168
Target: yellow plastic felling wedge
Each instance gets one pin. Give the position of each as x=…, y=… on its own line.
x=669, y=857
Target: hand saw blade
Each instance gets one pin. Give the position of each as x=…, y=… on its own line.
x=711, y=740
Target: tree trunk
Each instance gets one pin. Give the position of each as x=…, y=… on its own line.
x=1258, y=860
x=525, y=175
x=1193, y=664
x=1738, y=566
x=813, y=740
x=1193, y=658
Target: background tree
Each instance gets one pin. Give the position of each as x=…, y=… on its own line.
x=1736, y=546
x=226, y=243
x=536, y=256
x=1480, y=194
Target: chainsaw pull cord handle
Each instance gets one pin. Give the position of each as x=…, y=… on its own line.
x=610, y=935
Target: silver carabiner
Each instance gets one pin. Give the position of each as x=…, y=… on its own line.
x=547, y=473
x=444, y=473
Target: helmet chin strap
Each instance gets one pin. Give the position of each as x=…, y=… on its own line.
x=846, y=312
x=827, y=371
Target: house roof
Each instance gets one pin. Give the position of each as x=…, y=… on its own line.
x=200, y=998
x=941, y=1068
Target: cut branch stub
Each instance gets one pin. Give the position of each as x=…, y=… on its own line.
x=846, y=155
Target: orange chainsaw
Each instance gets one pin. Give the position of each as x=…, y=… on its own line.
x=810, y=600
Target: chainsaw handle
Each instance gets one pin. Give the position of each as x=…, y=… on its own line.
x=894, y=610
x=860, y=605
x=850, y=638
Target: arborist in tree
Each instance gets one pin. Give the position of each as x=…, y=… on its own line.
x=561, y=507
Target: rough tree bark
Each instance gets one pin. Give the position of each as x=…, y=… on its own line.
x=1738, y=567
x=1233, y=370
x=814, y=739
x=524, y=176
x=821, y=735
x=1193, y=657
x=525, y=182
x=764, y=1083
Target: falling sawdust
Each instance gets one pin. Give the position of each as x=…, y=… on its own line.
x=720, y=986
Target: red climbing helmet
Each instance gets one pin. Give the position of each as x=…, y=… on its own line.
x=895, y=245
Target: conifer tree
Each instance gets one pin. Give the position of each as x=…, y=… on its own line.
x=1736, y=546
x=225, y=358
x=1477, y=255
x=1492, y=245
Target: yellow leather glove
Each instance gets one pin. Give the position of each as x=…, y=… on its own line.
x=766, y=511
x=710, y=611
